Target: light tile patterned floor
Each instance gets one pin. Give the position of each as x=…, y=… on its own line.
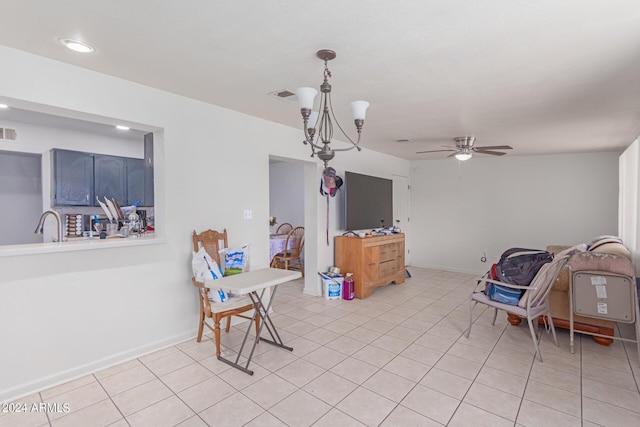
x=398, y=358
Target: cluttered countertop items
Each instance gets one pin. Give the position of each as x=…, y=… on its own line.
x=117, y=222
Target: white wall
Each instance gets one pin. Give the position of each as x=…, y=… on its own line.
x=460, y=210
x=630, y=201
x=75, y=312
x=286, y=192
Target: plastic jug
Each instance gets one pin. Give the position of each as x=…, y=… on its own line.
x=348, y=288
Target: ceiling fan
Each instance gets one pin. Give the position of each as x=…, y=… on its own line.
x=465, y=149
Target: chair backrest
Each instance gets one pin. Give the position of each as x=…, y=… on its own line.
x=542, y=283
x=295, y=241
x=210, y=241
x=285, y=228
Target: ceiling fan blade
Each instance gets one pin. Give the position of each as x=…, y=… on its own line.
x=452, y=154
x=493, y=153
x=433, y=151
x=493, y=147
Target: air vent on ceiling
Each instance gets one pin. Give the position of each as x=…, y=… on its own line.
x=404, y=140
x=7, y=134
x=286, y=94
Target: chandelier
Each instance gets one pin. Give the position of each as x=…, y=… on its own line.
x=318, y=127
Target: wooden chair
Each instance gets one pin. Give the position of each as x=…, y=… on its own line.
x=290, y=259
x=285, y=228
x=235, y=306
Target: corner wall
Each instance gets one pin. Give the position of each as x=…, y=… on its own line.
x=462, y=210
x=630, y=201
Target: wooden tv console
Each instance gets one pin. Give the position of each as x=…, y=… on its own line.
x=374, y=261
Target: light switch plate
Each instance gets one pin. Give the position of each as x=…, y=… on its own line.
x=248, y=214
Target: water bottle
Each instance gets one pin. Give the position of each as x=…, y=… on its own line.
x=348, y=288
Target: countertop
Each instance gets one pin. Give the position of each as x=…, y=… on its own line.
x=80, y=244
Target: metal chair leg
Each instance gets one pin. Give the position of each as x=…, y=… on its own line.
x=471, y=306
x=553, y=329
x=534, y=336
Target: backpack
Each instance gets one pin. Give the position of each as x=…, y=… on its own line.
x=517, y=266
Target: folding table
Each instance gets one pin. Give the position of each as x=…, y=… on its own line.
x=254, y=283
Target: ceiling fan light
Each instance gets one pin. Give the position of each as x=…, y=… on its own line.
x=463, y=156
x=306, y=95
x=359, y=109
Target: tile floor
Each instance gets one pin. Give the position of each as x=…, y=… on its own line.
x=398, y=358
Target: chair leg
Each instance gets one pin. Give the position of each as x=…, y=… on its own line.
x=228, y=327
x=495, y=315
x=471, y=306
x=201, y=326
x=301, y=267
x=257, y=324
x=216, y=333
x=553, y=329
x=534, y=337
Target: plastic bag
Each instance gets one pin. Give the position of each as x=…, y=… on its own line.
x=236, y=261
x=204, y=267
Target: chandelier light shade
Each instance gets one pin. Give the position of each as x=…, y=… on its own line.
x=318, y=125
x=306, y=96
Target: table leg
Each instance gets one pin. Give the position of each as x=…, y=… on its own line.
x=263, y=312
x=266, y=320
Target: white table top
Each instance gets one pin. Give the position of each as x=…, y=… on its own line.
x=255, y=280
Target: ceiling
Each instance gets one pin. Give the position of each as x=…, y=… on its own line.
x=551, y=76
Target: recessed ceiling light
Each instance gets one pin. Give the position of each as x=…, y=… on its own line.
x=77, y=45
x=120, y=127
x=4, y=106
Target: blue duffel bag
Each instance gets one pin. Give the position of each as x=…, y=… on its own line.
x=503, y=294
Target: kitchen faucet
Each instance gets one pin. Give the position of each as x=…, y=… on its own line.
x=40, y=226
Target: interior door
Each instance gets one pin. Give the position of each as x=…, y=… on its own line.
x=401, y=210
x=20, y=197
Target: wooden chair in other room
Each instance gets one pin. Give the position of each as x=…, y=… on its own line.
x=285, y=228
x=290, y=259
x=235, y=306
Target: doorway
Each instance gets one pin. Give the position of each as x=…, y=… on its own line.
x=291, y=182
x=401, y=211
x=20, y=197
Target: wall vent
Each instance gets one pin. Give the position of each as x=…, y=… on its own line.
x=286, y=94
x=8, y=134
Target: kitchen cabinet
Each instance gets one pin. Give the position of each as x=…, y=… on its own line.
x=81, y=177
x=135, y=182
x=110, y=178
x=148, y=170
x=374, y=261
x=73, y=176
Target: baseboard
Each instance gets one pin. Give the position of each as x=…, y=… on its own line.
x=14, y=393
x=450, y=269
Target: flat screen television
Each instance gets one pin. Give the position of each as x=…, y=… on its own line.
x=368, y=202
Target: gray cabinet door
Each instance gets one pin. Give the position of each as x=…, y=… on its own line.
x=148, y=170
x=73, y=178
x=110, y=177
x=135, y=182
